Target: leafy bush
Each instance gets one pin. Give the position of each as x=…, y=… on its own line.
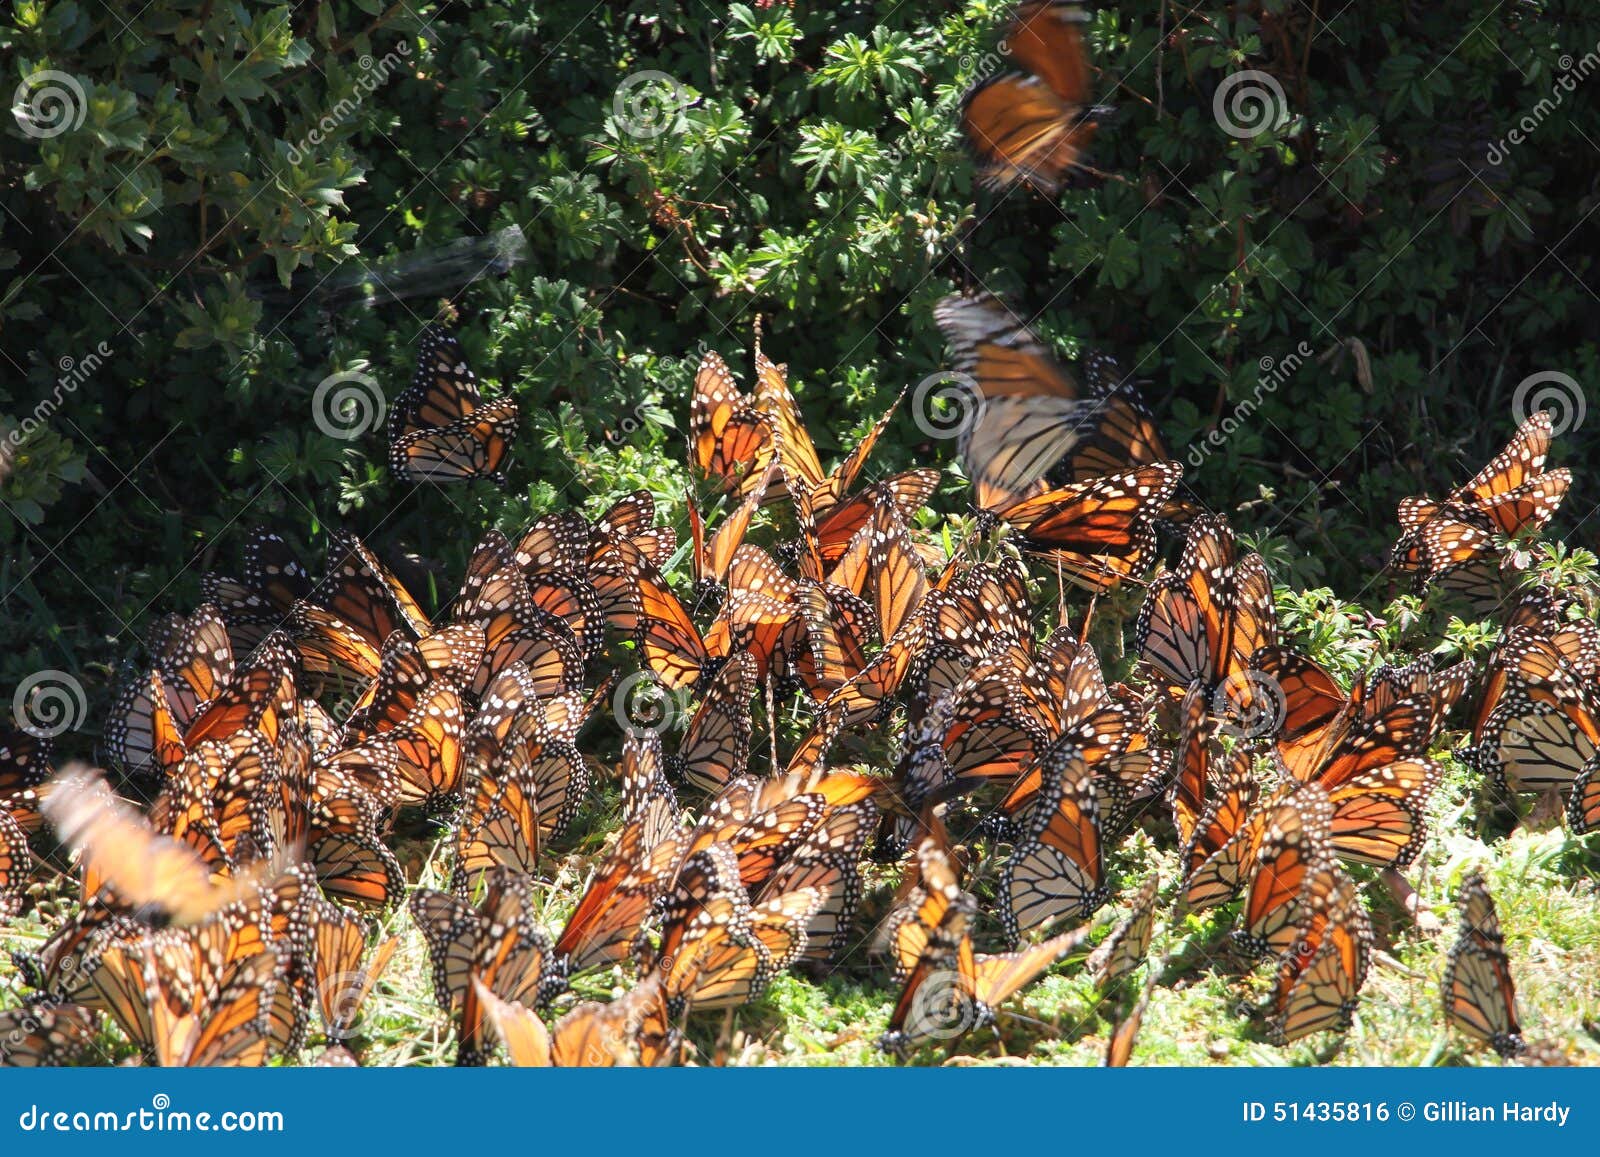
x=228, y=175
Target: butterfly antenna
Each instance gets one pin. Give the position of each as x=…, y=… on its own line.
x=1088, y=617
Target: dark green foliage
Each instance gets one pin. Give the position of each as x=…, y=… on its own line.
x=193, y=225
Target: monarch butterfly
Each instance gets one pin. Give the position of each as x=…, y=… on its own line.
x=634, y=1029
x=553, y=559
x=500, y=828
x=524, y=797
x=712, y=561
x=193, y=664
x=1056, y=872
x=440, y=429
x=233, y=1016
x=868, y=695
x=1537, y=727
x=722, y=976
x=1361, y=749
x=762, y=616
x=47, y=1036
x=219, y=992
x=1033, y=127
x=667, y=637
x=836, y=626
x=756, y=835
x=207, y=799
x=258, y=603
x=1479, y=995
x=1028, y=411
x=834, y=531
x=1217, y=855
x=261, y=696
x=1328, y=736
x=1512, y=495
x=1072, y=699
x=1197, y=750
x=496, y=943
x=895, y=576
x=517, y=1026
x=1292, y=849
x=420, y=719
x=751, y=620
x=16, y=865
x=952, y=990
x=1202, y=622
x=950, y=648
x=117, y=848
x=1531, y=746
x=731, y=949
x=815, y=494
x=1098, y=532
x=619, y=538
x=985, y=729
x=58, y=970
x=1323, y=971
x=730, y=441
x=827, y=862
x=1129, y=943
x=1583, y=805
x=335, y=824
x=1119, y=1050
x=343, y=983
x=24, y=771
x=618, y=898
x=498, y=598
x=716, y=746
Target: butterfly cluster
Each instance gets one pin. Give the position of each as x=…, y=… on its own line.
x=287, y=725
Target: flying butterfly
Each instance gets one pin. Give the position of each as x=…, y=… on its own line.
x=1033, y=126
x=117, y=848
x=1026, y=413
